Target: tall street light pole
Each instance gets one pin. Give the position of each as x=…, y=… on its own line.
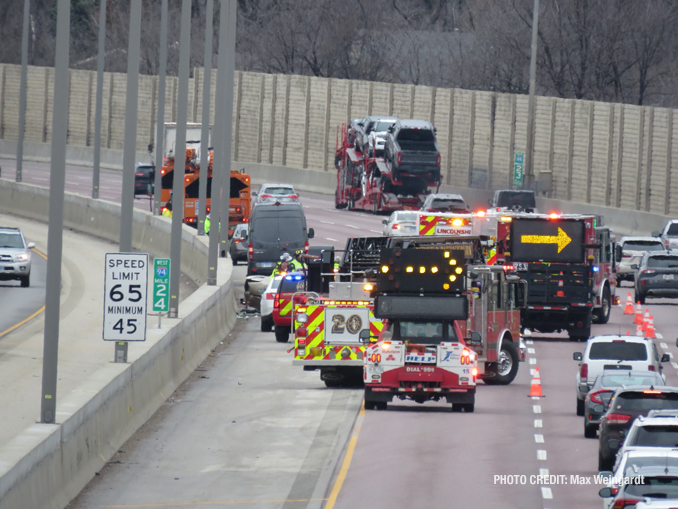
x=528, y=182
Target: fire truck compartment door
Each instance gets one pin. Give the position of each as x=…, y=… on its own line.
x=343, y=325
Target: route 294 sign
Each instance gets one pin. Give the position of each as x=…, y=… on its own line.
x=125, y=297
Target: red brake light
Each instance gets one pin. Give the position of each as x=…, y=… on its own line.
x=617, y=418
x=276, y=304
x=595, y=396
x=395, y=226
x=650, y=368
x=237, y=241
x=438, y=161
x=553, y=215
x=250, y=252
x=652, y=392
x=584, y=372
x=624, y=502
x=266, y=196
x=398, y=158
x=306, y=247
x=294, y=196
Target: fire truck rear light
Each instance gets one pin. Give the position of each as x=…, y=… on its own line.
x=385, y=346
x=276, y=304
x=302, y=342
x=301, y=352
x=422, y=270
x=302, y=318
x=376, y=357
x=553, y=215
x=474, y=372
x=506, y=219
x=316, y=351
x=368, y=287
x=302, y=332
x=480, y=213
x=409, y=269
x=384, y=268
x=434, y=270
x=457, y=222
x=453, y=278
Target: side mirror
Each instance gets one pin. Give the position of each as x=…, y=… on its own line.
x=489, y=202
x=618, y=252
x=665, y=358
x=384, y=221
x=613, y=444
x=364, y=336
x=586, y=389
x=255, y=194
x=391, y=129
x=634, y=266
x=578, y=357
x=606, y=473
x=605, y=492
x=476, y=339
x=656, y=233
x=30, y=245
x=311, y=233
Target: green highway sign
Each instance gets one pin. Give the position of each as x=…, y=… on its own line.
x=518, y=169
x=161, y=277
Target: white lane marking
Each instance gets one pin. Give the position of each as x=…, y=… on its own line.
x=664, y=345
x=659, y=336
x=533, y=360
x=675, y=365
x=354, y=227
x=530, y=350
x=541, y=455
x=543, y=471
x=537, y=423
x=326, y=222
x=528, y=341
x=331, y=240
x=670, y=355
x=536, y=409
x=539, y=438
x=533, y=371
x=81, y=177
x=40, y=178
x=546, y=493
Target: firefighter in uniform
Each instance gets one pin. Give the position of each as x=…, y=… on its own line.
x=283, y=265
x=298, y=264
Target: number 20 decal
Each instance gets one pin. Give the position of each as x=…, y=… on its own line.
x=354, y=324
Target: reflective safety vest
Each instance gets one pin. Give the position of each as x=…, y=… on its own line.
x=207, y=225
x=167, y=212
x=295, y=265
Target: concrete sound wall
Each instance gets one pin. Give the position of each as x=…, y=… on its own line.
x=48, y=465
x=588, y=152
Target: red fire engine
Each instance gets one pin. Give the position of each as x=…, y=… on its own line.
x=366, y=183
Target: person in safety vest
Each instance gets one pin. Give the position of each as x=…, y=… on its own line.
x=337, y=262
x=207, y=224
x=167, y=210
x=283, y=266
x=298, y=264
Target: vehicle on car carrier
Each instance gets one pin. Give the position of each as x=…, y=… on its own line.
x=366, y=182
x=569, y=264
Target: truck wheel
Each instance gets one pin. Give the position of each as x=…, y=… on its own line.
x=580, y=407
x=381, y=405
x=26, y=281
x=338, y=205
x=604, y=464
x=602, y=314
x=590, y=430
x=266, y=323
x=507, y=364
x=370, y=405
x=282, y=334
x=457, y=407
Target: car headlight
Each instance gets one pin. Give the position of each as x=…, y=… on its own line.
x=21, y=257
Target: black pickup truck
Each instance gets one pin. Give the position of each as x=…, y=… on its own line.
x=411, y=148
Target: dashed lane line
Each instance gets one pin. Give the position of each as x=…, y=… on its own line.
x=538, y=423
x=326, y=222
x=331, y=240
x=659, y=336
x=538, y=438
x=546, y=493
x=541, y=455
x=354, y=227
x=533, y=360
x=675, y=365
x=529, y=342
x=543, y=471
x=536, y=409
x=530, y=350
x=376, y=231
x=664, y=345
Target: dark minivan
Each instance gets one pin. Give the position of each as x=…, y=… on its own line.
x=275, y=229
x=144, y=176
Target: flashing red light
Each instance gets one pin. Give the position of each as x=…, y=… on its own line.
x=247, y=179
x=276, y=304
x=553, y=215
x=395, y=226
x=618, y=418
x=162, y=172
x=584, y=372
x=376, y=357
x=245, y=219
x=474, y=372
x=480, y=213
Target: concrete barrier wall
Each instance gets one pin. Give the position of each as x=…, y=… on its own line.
x=48, y=465
x=604, y=154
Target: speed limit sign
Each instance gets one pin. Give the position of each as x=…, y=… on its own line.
x=125, y=292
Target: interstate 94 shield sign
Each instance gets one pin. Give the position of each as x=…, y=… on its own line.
x=547, y=240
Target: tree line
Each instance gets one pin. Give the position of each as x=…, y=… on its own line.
x=604, y=50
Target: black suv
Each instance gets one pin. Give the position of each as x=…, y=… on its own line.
x=625, y=405
x=656, y=276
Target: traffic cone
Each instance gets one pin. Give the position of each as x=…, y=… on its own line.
x=639, y=330
x=628, y=309
x=646, y=320
x=638, y=318
x=649, y=331
x=535, y=387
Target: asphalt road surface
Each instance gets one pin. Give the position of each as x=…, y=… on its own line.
x=250, y=430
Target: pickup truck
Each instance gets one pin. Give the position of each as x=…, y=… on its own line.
x=411, y=148
x=669, y=234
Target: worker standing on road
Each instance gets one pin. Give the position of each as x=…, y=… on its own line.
x=298, y=264
x=207, y=224
x=283, y=265
x=167, y=211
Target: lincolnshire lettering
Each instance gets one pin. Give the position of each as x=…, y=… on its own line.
x=126, y=310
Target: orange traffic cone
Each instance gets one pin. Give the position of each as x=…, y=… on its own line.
x=638, y=318
x=628, y=309
x=649, y=331
x=535, y=387
x=639, y=330
x=646, y=320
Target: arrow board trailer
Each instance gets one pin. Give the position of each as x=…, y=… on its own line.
x=125, y=297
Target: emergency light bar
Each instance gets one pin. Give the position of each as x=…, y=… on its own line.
x=440, y=271
x=416, y=307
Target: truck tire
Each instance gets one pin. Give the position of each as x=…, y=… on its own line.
x=506, y=367
x=590, y=430
x=282, y=334
x=457, y=407
x=26, y=281
x=469, y=407
x=266, y=323
x=370, y=405
x=602, y=314
x=381, y=405
x=639, y=297
x=338, y=205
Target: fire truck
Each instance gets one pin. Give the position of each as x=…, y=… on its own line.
x=367, y=183
x=569, y=264
x=240, y=199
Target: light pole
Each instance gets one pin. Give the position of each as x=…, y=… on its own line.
x=529, y=152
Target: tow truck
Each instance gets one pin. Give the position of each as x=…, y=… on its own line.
x=569, y=263
x=366, y=182
x=422, y=354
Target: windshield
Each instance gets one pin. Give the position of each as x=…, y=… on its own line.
x=654, y=487
x=648, y=461
x=617, y=380
x=673, y=230
x=11, y=240
x=406, y=216
x=383, y=126
x=428, y=332
x=642, y=245
x=663, y=262
x=643, y=402
x=618, y=351
x=278, y=190
x=516, y=198
x=656, y=436
x=266, y=228
x=416, y=135
x=448, y=205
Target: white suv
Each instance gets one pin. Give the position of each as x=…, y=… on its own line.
x=630, y=250
x=15, y=256
x=657, y=431
x=614, y=352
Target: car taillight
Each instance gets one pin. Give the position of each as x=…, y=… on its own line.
x=395, y=226
x=294, y=196
x=624, y=502
x=398, y=158
x=650, y=368
x=652, y=392
x=595, y=397
x=666, y=243
x=438, y=161
x=584, y=372
x=276, y=304
x=270, y=296
x=250, y=252
x=266, y=196
x=617, y=418
x=306, y=247
x=237, y=241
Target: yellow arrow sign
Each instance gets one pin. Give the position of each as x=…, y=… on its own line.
x=561, y=239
